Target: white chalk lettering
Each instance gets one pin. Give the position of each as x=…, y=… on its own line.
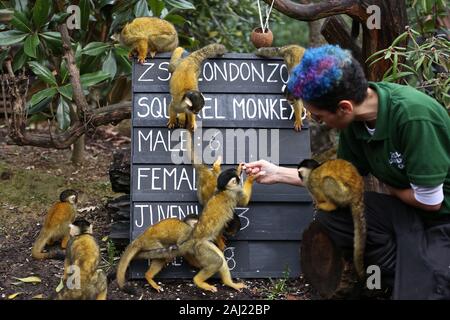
x=164, y=66
x=150, y=66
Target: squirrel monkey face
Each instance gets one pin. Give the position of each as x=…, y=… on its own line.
x=193, y=101
x=228, y=180
x=69, y=195
x=80, y=226
x=305, y=167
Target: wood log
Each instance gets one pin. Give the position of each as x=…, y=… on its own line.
x=119, y=208
x=119, y=171
x=326, y=267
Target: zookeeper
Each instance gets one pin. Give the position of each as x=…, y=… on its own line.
x=402, y=137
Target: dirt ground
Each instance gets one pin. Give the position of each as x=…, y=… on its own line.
x=30, y=181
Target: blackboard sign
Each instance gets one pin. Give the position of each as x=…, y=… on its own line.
x=245, y=118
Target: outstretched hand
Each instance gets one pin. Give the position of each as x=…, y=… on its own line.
x=262, y=171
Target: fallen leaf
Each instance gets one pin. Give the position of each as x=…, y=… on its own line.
x=39, y=296
x=29, y=279
x=87, y=209
x=105, y=238
x=12, y=296
x=60, y=286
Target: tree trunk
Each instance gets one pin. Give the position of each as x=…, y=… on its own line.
x=120, y=170
x=325, y=267
x=78, y=151
x=315, y=37
x=392, y=18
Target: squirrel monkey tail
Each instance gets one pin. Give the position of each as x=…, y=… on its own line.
x=38, y=247
x=359, y=221
x=125, y=260
x=268, y=52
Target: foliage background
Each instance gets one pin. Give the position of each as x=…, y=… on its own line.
x=29, y=33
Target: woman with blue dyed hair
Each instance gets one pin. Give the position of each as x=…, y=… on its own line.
x=401, y=136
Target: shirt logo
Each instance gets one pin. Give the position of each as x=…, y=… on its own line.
x=396, y=159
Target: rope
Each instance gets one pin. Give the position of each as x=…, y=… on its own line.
x=268, y=12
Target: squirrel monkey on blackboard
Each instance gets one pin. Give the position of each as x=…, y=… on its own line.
x=217, y=212
x=165, y=233
x=292, y=55
x=337, y=183
x=83, y=255
x=149, y=34
x=186, y=98
x=56, y=225
x=207, y=186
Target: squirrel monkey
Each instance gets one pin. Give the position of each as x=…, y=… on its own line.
x=56, y=225
x=217, y=212
x=82, y=258
x=165, y=233
x=186, y=98
x=337, y=183
x=149, y=33
x=292, y=55
x=207, y=186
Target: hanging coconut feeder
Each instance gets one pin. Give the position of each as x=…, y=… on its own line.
x=261, y=38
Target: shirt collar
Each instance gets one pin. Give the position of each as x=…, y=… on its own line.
x=381, y=125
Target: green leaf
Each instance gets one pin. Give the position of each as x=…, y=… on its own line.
x=43, y=73
x=119, y=20
x=399, y=38
x=110, y=65
x=19, y=59
x=40, y=12
x=85, y=11
x=11, y=37
x=21, y=22
x=63, y=114
x=387, y=55
x=66, y=91
x=52, y=41
x=397, y=76
x=64, y=71
x=4, y=53
x=78, y=55
x=41, y=99
x=175, y=19
x=31, y=44
x=95, y=48
x=60, y=17
x=180, y=4
x=90, y=79
x=39, y=107
x=53, y=37
x=104, y=3
x=157, y=7
x=141, y=9
x=124, y=63
x=121, y=50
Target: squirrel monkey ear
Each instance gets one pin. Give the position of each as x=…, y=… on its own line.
x=187, y=101
x=74, y=230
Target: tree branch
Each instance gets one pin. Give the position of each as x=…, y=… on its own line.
x=334, y=30
x=109, y=114
x=316, y=11
x=78, y=95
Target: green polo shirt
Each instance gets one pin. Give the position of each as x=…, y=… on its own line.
x=411, y=143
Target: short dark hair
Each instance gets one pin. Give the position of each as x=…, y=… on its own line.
x=327, y=75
